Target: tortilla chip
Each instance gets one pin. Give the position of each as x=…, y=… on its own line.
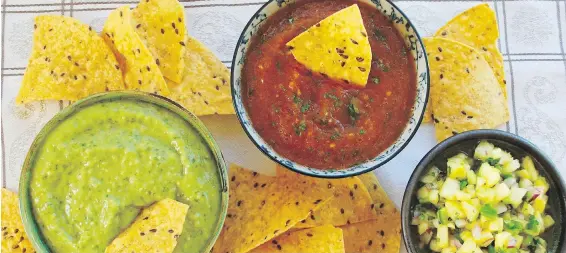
x=382, y=202
x=427, y=117
x=325, y=238
x=14, y=238
x=337, y=47
x=68, y=61
x=477, y=28
x=262, y=207
x=351, y=203
x=464, y=91
x=161, y=26
x=205, y=88
x=138, y=65
x=382, y=235
x=156, y=229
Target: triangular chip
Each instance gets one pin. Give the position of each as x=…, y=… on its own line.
x=156, y=229
x=327, y=239
x=139, y=67
x=477, y=28
x=464, y=91
x=382, y=235
x=14, y=238
x=68, y=61
x=351, y=203
x=381, y=202
x=161, y=26
x=262, y=207
x=337, y=47
x=205, y=88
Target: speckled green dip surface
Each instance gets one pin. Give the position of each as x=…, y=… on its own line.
x=97, y=169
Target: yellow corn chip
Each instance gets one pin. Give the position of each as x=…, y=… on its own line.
x=327, y=239
x=262, y=207
x=14, y=238
x=337, y=47
x=382, y=235
x=351, y=203
x=137, y=63
x=381, y=202
x=205, y=88
x=161, y=26
x=427, y=117
x=156, y=229
x=68, y=61
x=477, y=28
x=465, y=93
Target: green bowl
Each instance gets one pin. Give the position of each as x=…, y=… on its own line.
x=30, y=225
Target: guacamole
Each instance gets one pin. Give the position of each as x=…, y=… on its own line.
x=97, y=169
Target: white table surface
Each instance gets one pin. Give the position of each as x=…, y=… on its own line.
x=532, y=40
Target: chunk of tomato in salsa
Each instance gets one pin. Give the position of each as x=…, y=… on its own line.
x=316, y=121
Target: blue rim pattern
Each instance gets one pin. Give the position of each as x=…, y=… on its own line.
x=414, y=44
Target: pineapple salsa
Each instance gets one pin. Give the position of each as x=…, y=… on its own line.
x=492, y=203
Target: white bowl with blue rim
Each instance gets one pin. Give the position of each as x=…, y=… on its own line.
x=413, y=42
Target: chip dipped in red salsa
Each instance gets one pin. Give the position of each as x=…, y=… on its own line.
x=317, y=121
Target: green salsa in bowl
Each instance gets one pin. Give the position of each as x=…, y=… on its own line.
x=97, y=163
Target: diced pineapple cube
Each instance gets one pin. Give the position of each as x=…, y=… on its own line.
x=516, y=196
x=502, y=240
x=523, y=174
x=486, y=195
x=458, y=166
x=462, y=196
x=480, y=182
x=525, y=183
x=434, y=246
x=483, y=150
x=460, y=223
x=529, y=166
x=466, y=235
x=496, y=225
x=509, y=164
x=548, y=221
x=470, y=210
x=490, y=174
x=485, y=239
x=442, y=236
x=454, y=209
x=472, y=177
x=450, y=188
x=423, y=227
x=468, y=247
x=542, y=184
x=502, y=191
x=423, y=194
x=527, y=209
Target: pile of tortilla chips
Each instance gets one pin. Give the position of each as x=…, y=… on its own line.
x=294, y=213
x=467, y=80
x=144, y=49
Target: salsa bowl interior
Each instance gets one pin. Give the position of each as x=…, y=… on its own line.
x=466, y=143
x=414, y=46
x=26, y=210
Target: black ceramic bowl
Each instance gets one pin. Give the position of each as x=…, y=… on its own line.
x=466, y=142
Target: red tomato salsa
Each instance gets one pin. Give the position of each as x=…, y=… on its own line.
x=316, y=121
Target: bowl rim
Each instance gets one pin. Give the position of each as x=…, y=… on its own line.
x=34, y=232
x=494, y=134
x=327, y=174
